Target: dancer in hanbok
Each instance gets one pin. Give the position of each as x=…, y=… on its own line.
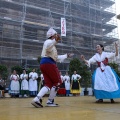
x=106, y=83
x=49, y=69
x=24, y=84
x=14, y=85
x=75, y=84
x=33, y=87
x=67, y=83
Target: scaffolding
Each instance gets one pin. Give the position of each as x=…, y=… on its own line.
x=24, y=23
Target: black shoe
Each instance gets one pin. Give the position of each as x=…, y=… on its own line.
x=112, y=101
x=51, y=103
x=37, y=104
x=99, y=101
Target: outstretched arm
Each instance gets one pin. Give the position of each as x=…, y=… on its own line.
x=61, y=58
x=83, y=58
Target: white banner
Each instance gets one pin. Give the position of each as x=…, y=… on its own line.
x=63, y=27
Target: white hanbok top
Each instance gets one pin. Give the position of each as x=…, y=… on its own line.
x=104, y=80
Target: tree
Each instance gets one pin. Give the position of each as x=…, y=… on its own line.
x=3, y=72
x=82, y=69
x=19, y=69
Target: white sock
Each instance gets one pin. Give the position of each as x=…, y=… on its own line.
x=52, y=93
x=42, y=92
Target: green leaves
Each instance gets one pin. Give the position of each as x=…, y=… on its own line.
x=82, y=69
x=3, y=72
x=19, y=69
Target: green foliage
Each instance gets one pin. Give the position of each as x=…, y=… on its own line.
x=19, y=69
x=3, y=72
x=29, y=70
x=75, y=65
x=82, y=69
x=115, y=67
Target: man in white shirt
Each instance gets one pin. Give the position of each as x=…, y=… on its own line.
x=49, y=69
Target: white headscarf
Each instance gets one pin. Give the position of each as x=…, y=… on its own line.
x=51, y=32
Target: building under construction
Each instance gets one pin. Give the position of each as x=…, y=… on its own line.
x=24, y=23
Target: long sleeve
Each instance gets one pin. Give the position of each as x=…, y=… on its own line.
x=91, y=60
x=49, y=44
x=61, y=58
x=110, y=55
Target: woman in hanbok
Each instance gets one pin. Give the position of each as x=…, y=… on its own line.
x=106, y=84
x=24, y=84
x=67, y=83
x=33, y=87
x=14, y=85
x=75, y=84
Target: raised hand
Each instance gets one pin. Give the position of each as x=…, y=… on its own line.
x=82, y=57
x=57, y=37
x=70, y=54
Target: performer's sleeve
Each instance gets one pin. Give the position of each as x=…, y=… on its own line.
x=110, y=55
x=61, y=58
x=50, y=44
x=79, y=76
x=91, y=60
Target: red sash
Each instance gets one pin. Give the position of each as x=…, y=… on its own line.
x=105, y=62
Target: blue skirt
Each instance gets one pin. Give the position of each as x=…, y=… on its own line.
x=100, y=94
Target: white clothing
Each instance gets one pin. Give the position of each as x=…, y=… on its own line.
x=24, y=83
x=15, y=86
x=62, y=78
x=49, y=50
x=105, y=80
x=33, y=81
x=75, y=77
x=67, y=82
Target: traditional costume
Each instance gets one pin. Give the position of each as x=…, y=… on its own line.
x=106, y=83
x=14, y=85
x=49, y=69
x=33, y=87
x=24, y=85
x=75, y=84
x=67, y=84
